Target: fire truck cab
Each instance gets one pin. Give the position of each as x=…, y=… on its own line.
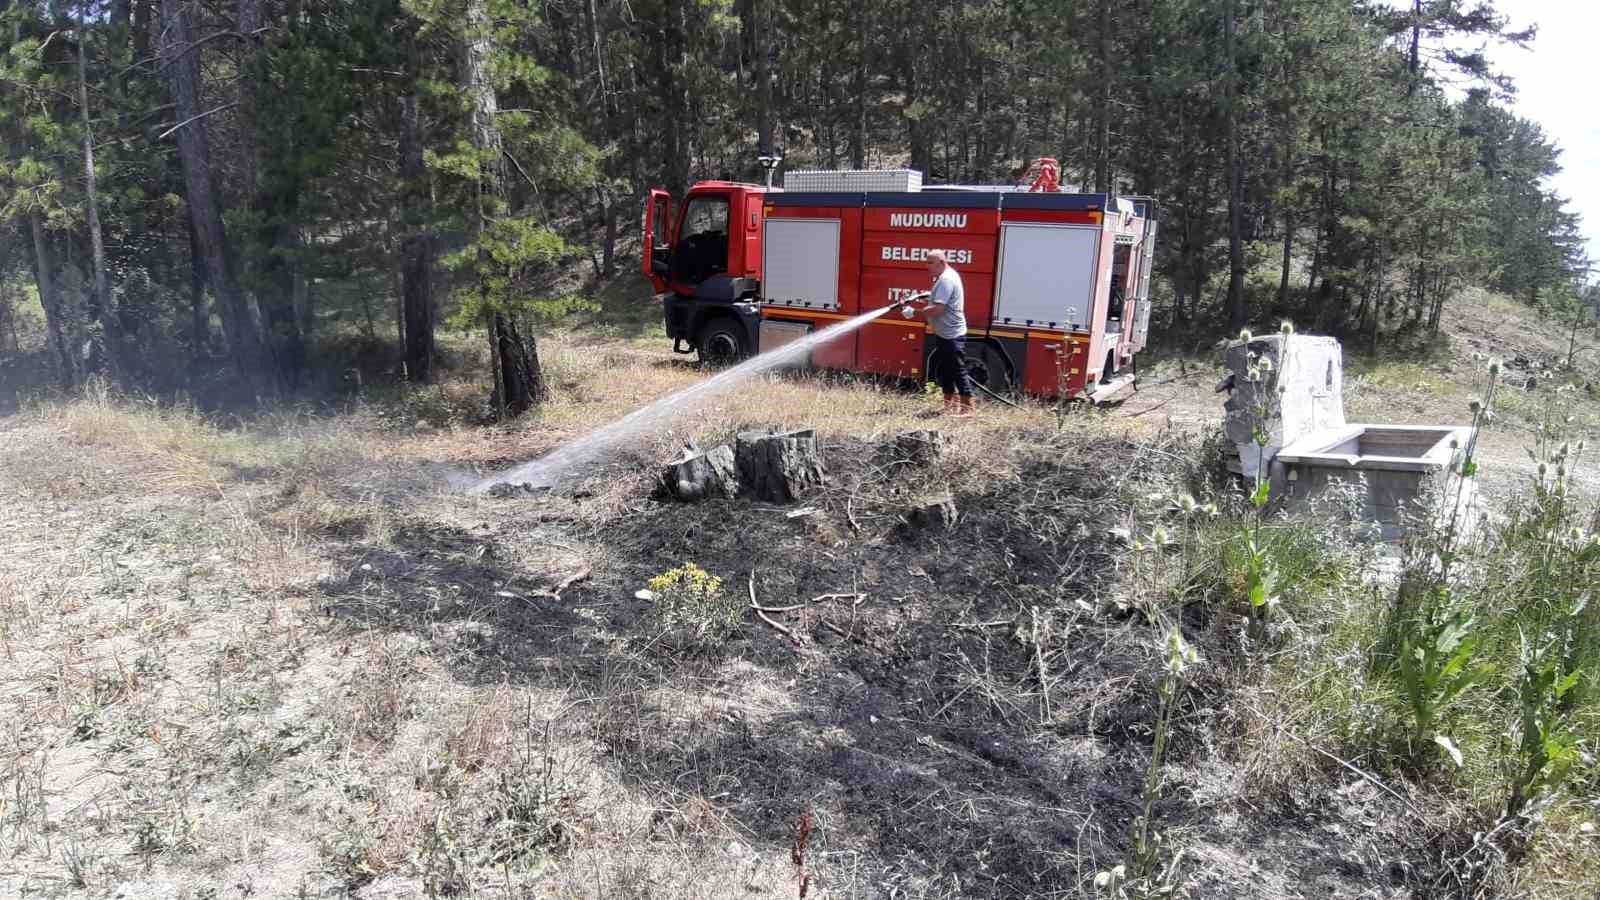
x=706, y=262
x=1057, y=284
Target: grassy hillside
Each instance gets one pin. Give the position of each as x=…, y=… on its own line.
x=286, y=659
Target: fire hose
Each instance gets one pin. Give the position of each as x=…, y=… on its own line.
x=985, y=389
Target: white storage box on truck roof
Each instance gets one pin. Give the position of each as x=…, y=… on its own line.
x=853, y=180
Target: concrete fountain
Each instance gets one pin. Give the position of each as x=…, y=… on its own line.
x=1297, y=398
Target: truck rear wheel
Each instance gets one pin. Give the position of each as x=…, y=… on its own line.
x=986, y=366
x=721, y=342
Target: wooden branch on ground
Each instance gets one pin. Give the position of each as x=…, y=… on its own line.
x=1044, y=673
x=837, y=630
x=856, y=600
x=1147, y=411
x=781, y=629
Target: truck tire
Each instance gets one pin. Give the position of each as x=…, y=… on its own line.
x=986, y=365
x=721, y=342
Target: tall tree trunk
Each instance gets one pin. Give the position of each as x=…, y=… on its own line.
x=1086, y=151
x=1324, y=221
x=1238, y=312
x=240, y=322
x=276, y=202
x=416, y=246
x=598, y=47
x=1414, y=63
x=519, y=381
x=303, y=309
x=1379, y=293
x=107, y=335
x=608, y=217
x=251, y=16
x=1291, y=149
x=1288, y=256
x=858, y=138
x=8, y=313
x=199, y=316
x=1102, y=125
x=398, y=289
x=606, y=192
x=1289, y=225
x=760, y=47
x=1580, y=315
x=366, y=313
x=55, y=316
x=141, y=28
x=673, y=62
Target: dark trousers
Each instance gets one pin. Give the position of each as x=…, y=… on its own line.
x=950, y=365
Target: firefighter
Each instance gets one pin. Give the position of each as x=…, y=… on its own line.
x=946, y=312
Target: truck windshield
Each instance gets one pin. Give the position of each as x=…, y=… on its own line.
x=702, y=248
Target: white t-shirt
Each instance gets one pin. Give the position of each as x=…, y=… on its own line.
x=947, y=290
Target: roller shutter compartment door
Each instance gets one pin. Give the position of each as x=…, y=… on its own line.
x=1047, y=275
x=800, y=263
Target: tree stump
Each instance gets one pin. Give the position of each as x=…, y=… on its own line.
x=919, y=447
x=933, y=512
x=778, y=467
x=701, y=475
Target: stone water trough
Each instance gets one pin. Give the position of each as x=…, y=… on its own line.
x=1298, y=397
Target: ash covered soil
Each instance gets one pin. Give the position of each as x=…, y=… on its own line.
x=371, y=687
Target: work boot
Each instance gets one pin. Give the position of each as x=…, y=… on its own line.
x=952, y=405
x=966, y=407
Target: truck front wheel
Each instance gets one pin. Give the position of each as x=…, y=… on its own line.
x=722, y=342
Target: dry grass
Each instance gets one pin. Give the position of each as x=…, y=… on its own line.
x=236, y=656
x=280, y=658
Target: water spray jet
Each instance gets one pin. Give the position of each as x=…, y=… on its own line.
x=547, y=471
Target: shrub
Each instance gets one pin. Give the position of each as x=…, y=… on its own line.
x=691, y=604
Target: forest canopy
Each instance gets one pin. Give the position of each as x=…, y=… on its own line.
x=211, y=191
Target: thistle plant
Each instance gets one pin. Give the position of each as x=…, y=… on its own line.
x=1431, y=637
x=1143, y=876
x=1556, y=453
x=1261, y=570
x=1547, y=746
x=1560, y=548
x=1482, y=410
x=1153, y=572
x=1436, y=663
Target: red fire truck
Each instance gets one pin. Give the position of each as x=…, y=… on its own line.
x=1057, y=284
